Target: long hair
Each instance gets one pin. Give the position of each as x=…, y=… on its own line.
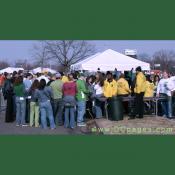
x=18, y=80
x=42, y=84
x=156, y=76
x=35, y=85
x=100, y=79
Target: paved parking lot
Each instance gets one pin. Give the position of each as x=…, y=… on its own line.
x=11, y=129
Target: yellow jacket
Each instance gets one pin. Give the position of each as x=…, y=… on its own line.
x=122, y=87
x=149, y=91
x=110, y=89
x=64, y=79
x=140, y=83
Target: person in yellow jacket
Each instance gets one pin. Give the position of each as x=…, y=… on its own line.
x=149, y=87
x=110, y=86
x=123, y=90
x=122, y=86
x=64, y=79
x=139, y=93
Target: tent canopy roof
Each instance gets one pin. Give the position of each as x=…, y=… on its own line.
x=39, y=70
x=10, y=69
x=109, y=60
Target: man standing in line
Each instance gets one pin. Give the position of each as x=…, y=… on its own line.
x=139, y=93
x=57, y=86
x=81, y=98
x=164, y=88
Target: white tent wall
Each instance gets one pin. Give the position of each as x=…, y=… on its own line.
x=39, y=70
x=10, y=69
x=109, y=60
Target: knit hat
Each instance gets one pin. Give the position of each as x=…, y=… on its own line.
x=139, y=69
x=58, y=75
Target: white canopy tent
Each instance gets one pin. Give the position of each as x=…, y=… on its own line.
x=39, y=70
x=10, y=69
x=108, y=61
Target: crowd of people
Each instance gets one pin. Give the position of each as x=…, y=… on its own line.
x=68, y=99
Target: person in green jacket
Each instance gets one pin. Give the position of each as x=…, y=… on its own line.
x=19, y=90
x=81, y=98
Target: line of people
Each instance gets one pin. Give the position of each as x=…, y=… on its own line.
x=68, y=100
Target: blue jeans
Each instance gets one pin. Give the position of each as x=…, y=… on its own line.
x=81, y=109
x=46, y=111
x=98, y=109
x=167, y=106
x=69, y=104
x=20, y=111
x=58, y=111
x=70, y=123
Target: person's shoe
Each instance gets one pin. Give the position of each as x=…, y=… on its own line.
x=53, y=128
x=60, y=124
x=98, y=117
x=139, y=117
x=171, y=118
x=24, y=125
x=131, y=118
x=81, y=124
x=17, y=125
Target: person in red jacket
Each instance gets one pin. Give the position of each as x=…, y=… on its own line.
x=69, y=101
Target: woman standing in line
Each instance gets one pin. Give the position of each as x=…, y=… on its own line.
x=8, y=93
x=99, y=95
x=34, y=107
x=19, y=90
x=69, y=101
x=44, y=94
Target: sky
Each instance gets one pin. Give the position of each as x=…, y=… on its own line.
x=21, y=49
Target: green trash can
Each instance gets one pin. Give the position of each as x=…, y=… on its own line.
x=115, y=108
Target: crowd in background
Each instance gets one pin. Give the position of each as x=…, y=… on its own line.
x=68, y=99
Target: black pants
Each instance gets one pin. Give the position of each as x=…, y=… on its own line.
x=27, y=117
x=139, y=104
x=9, y=115
x=125, y=103
x=58, y=107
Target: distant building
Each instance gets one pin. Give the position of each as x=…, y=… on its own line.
x=131, y=53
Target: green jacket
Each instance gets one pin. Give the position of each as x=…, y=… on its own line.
x=19, y=90
x=82, y=90
x=57, y=86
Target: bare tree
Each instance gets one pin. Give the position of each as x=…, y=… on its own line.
x=165, y=58
x=40, y=54
x=4, y=64
x=65, y=52
x=144, y=57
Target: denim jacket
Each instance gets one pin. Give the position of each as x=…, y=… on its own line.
x=43, y=95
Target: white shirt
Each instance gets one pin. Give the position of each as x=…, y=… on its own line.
x=98, y=89
x=164, y=87
x=171, y=83
x=43, y=77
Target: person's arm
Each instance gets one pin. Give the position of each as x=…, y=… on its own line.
x=50, y=91
x=127, y=87
x=139, y=82
x=35, y=95
x=84, y=88
x=158, y=89
x=115, y=89
x=63, y=88
x=76, y=89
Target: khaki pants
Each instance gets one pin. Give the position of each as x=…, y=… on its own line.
x=34, y=114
